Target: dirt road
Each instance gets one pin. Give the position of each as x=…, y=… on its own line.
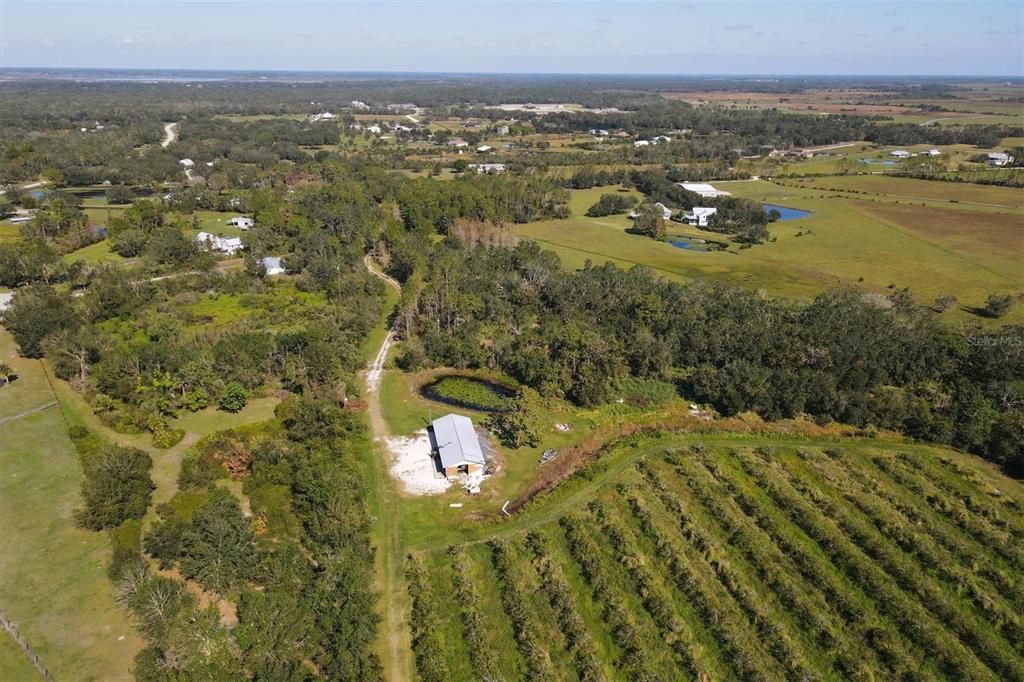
x=170, y=132
x=396, y=645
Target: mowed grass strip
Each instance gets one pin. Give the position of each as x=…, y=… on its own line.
x=53, y=580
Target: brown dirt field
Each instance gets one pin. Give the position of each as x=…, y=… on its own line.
x=999, y=234
x=840, y=101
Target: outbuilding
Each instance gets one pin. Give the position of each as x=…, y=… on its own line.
x=703, y=189
x=241, y=222
x=272, y=265
x=457, y=446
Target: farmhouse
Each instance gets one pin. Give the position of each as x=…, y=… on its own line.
x=999, y=158
x=699, y=216
x=900, y=154
x=226, y=245
x=374, y=129
x=325, y=116
x=241, y=222
x=453, y=439
x=485, y=148
x=703, y=189
x=457, y=142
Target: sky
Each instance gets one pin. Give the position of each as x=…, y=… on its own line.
x=903, y=37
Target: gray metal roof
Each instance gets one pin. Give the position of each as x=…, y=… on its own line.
x=455, y=441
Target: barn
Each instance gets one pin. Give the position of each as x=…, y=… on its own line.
x=453, y=439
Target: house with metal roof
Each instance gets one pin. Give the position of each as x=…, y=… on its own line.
x=455, y=441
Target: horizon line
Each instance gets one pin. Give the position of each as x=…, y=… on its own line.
x=255, y=70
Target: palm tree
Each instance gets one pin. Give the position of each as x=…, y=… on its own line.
x=6, y=372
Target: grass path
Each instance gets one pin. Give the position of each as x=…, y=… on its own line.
x=395, y=644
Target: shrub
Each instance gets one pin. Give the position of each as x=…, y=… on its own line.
x=167, y=438
x=232, y=398
x=998, y=305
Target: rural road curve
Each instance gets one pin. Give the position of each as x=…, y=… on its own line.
x=170, y=133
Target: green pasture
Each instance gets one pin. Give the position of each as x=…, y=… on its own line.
x=843, y=243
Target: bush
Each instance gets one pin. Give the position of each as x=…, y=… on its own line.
x=232, y=398
x=167, y=438
x=196, y=400
x=998, y=305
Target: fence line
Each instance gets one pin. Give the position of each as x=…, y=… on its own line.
x=12, y=630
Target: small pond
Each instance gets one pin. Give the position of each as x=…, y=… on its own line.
x=699, y=245
x=468, y=392
x=785, y=213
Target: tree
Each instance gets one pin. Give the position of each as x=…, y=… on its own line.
x=516, y=426
x=218, y=547
x=37, y=312
x=649, y=222
x=998, y=305
x=610, y=204
x=6, y=373
x=116, y=487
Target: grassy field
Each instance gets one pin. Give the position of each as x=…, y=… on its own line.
x=53, y=580
x=690, y=560
x=864, y=240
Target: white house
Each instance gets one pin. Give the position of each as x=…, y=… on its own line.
x=485, y=148
x=900, y=154
x=703, y=189
x=325, y=116
x=356, y=104
x=640, y=143
x=933, y=152
x=660, y=138
x=999, y=159
x=272, y=265
x=453, y=439
x=699, y=216
x=187, y=163
x=226, y=245
x=241, y=222
x=457, y=143
x=375, y=129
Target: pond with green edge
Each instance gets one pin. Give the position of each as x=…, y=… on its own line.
x=469, y=392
